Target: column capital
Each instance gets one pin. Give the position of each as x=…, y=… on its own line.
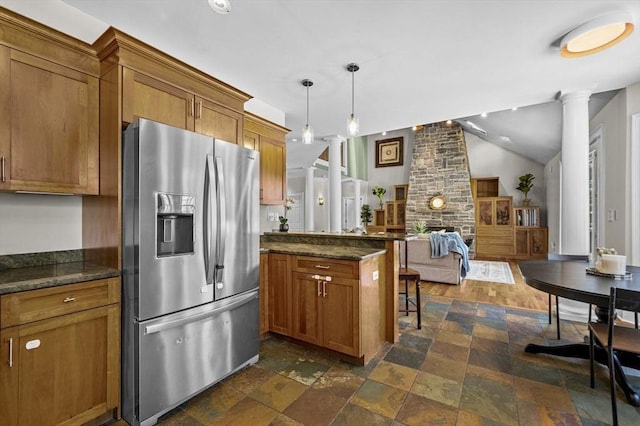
x=576, y=95
x=334, y=139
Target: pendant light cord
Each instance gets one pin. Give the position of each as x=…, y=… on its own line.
x=307, y=105
x=352, y=91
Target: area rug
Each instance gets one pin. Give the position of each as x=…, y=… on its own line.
x=485, y=270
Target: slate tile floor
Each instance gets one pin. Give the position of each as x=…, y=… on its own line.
x=466, y=366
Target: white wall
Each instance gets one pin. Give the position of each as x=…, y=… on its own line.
x=612, y=118
x=487, y=159
x=387, y=177
x=37, y=223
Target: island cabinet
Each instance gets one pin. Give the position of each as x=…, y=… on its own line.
x=332, y=303
x=279, y=294
x=269, y=139
x=60, y=354
x=49, y=124
x=264, y=293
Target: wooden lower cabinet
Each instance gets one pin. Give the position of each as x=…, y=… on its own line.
x=279, y=295
x=331, y=303
x=531, y=242
x=64, y=369
x=264, y=293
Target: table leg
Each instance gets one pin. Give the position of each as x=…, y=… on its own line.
x=581, y=351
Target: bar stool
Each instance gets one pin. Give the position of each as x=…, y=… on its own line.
x=407, y=274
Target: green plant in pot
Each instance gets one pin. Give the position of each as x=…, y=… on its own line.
x=379, y=192
x=524, y=185
x=365, y=215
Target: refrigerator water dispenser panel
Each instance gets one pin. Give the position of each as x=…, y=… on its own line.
x=175, y=225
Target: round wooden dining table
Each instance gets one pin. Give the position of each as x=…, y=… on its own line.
x=570, y=279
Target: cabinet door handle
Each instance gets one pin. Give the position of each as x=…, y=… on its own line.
x=69, y=299
x=199, y=109
x=322, y=267
x=191, y=107
x=11, y=352
x=324, y=289
x=319, y=291
x=4, y=176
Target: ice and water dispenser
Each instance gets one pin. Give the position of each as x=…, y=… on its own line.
x=175, y=219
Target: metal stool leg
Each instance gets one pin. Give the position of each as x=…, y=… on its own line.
x=549, y=308
x=558, y=316
x=418, y=304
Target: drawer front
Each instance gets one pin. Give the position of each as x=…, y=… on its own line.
x=324, y=266
x=35, y=305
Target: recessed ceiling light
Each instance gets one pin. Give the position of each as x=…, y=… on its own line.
x=221, y=6
x=514, y=109
x=384, y=133
x=294, y=140
x=596, y=35
x=483, y=115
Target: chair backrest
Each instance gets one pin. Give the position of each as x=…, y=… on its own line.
x=625, y=299
x=565, y=257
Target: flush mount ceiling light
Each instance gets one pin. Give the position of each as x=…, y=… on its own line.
x=221, y=6
x=596, y=35
x=353, y=124
x=307, y=131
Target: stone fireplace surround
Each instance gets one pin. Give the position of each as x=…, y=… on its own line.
x=440, y=166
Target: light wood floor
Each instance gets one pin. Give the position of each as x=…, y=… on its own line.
x=517, y=295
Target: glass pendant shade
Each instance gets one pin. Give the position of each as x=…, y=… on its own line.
x=307, y=134
x=307, y=131
x=353, y=125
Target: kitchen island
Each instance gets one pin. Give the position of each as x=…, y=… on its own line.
x=351, y=246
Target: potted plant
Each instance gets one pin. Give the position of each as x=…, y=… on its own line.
x=288, y=205
x=379, y=192
x=365, y=215
x=525, y=185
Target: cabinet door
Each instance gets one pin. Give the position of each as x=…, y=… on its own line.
x=9, y=376
x=538, y=239
x=67, y=368
x=272, y=171
x=217, y=121
x=146, y=97
x=307, y=297
x=251, y=140
x=49, y=136
x=340, y=312
x=522, y=242
x=280, y=293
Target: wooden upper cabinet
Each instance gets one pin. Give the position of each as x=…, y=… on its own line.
x=217, y=121
x=147, y=97
x=269, y=139
x=49, y=135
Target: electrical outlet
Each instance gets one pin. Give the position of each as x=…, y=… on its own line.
x=612, y=215
x=271, y=217
x=375, y=275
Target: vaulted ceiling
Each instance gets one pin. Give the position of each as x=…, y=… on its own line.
x=420, y=61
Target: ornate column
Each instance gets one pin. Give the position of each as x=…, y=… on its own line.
x=335, y=183
x=309, y=205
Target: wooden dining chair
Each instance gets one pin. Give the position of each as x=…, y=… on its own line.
x=612, y=337
x=562, y=257
x=406, y=275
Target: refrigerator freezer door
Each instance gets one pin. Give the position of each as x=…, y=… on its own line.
x=166, y=184
x=184, y=353
x=237, y=240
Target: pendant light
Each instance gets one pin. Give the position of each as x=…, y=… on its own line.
x=353, y=124
x=307, y=131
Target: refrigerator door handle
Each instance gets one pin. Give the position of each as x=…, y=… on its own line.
x=207, y=227
x=222, y=219
x=155, y=328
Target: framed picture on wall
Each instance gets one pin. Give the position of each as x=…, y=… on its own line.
x=389, y=152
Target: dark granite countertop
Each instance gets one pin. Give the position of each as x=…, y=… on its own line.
x=322, y=250
x=43, y=276
x=301, y=235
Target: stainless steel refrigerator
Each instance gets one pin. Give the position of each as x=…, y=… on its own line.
x=190, y=233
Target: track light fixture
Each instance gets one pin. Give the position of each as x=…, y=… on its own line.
x=353, y=124
x=221, y=6
x=307, y=131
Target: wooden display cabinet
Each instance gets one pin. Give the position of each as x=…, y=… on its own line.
x=494, y=227
x=400, y=192
x=395, y=216
x=485, y=187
